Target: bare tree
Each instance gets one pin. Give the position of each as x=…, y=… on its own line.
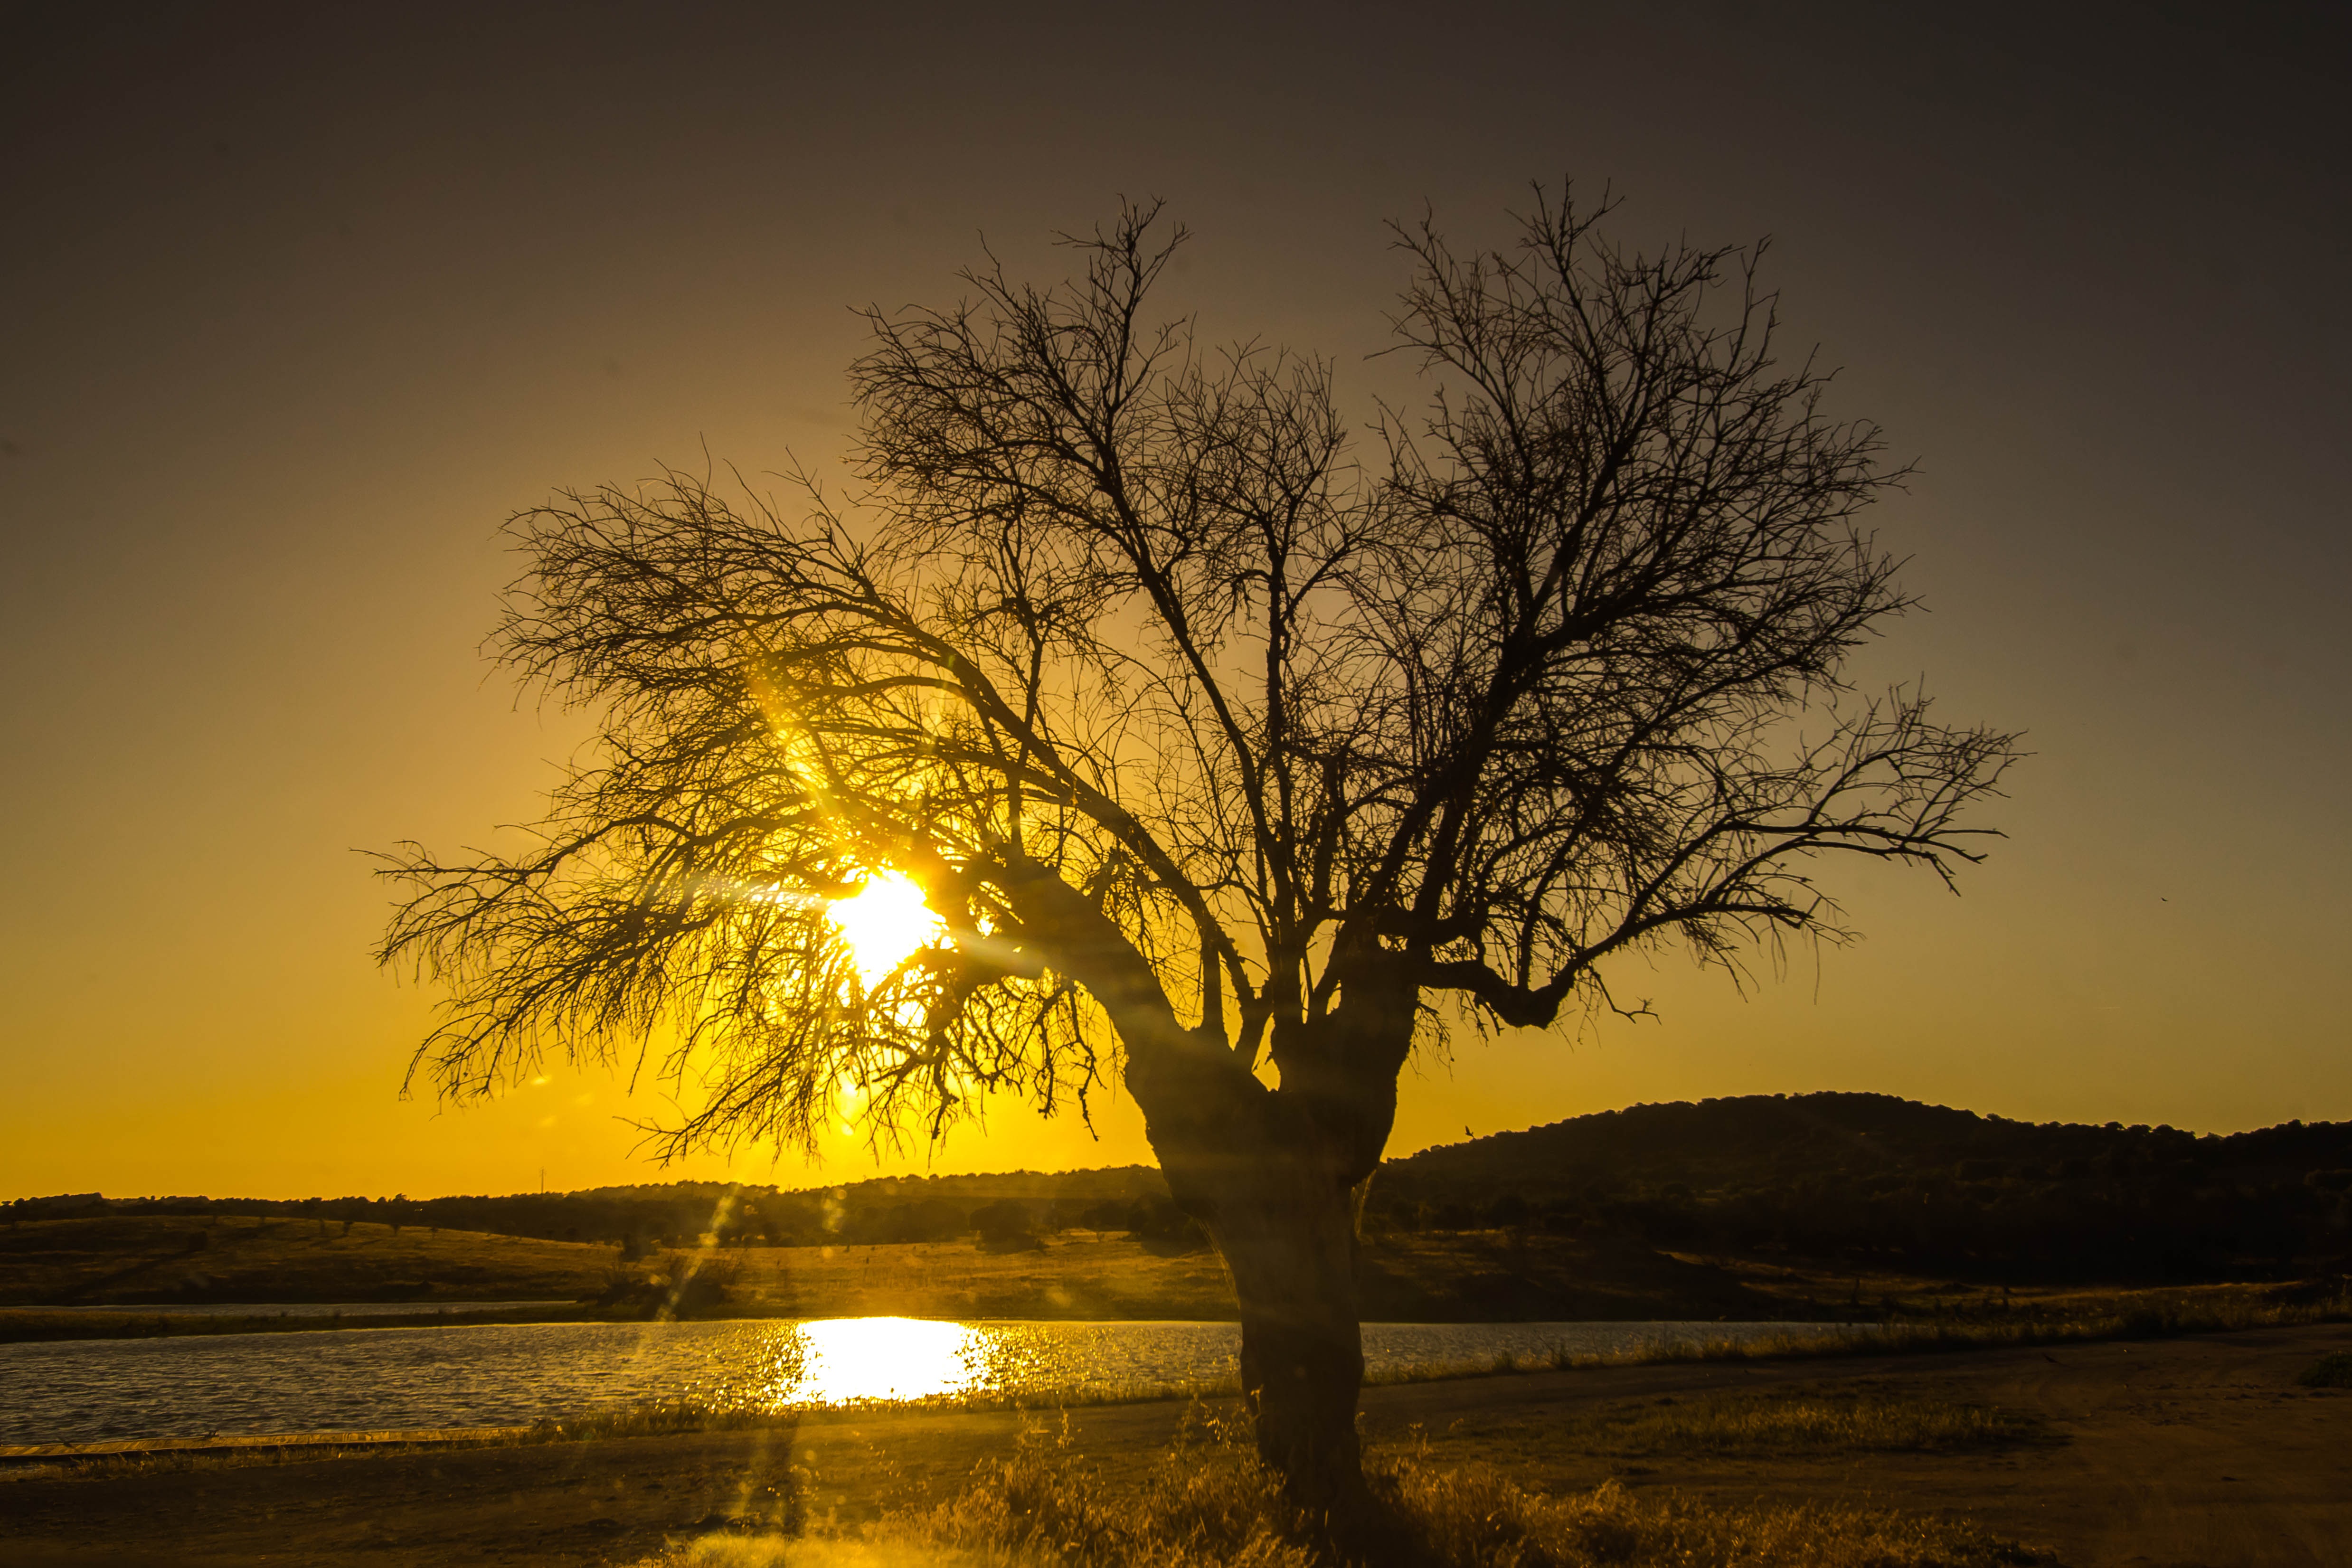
x=1229, y=763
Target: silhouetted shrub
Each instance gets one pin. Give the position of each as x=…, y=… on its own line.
x=1006, y=1225
x=1108, y=1214
x=684, y=1287
x=926, y=1219
x=1508, y=1212
x=1164, y=1229
x=1563, y=1219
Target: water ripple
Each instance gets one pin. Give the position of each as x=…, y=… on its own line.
x=514, y=1374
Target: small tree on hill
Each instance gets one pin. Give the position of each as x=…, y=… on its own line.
x=1224, y=762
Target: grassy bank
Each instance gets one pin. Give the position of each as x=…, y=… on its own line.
x=1206, y=1503
x=2088, y=1318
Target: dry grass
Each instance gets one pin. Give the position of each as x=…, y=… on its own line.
x=658, y=1419
x=2328, y=1372
x=137, y=1462
x=1820, y=1421
x=2114, y=1315
x=1207, y=1505
x=1761, y=1423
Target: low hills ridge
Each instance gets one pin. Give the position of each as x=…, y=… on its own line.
x=1843, y=1179
x=1873, y=1179
x=1740, y=1137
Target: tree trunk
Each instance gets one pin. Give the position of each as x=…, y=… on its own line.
x=1291, y=1252
x=1284, y=1223
x=1271, y=1173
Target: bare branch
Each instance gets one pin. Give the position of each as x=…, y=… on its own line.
x=1206, y=742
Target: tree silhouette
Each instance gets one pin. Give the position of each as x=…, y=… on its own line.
x=1229, y=763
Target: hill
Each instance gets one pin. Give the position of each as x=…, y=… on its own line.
x=1836, y=1182
x=1871, y=1178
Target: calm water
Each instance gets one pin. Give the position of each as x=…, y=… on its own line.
x=511, y=1375
x=311, y=1308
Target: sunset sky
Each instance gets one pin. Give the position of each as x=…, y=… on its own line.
x=301, y=302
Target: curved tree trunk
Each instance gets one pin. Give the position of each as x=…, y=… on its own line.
x=1276, y=1192
x=1290, y=1246
x=1271, y=1173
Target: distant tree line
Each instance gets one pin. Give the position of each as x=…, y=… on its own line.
x=1005, y=1212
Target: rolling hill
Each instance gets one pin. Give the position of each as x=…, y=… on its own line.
x=1869, y=1178
x=1831, y=1180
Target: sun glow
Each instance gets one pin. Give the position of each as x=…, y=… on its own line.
x=884, y=921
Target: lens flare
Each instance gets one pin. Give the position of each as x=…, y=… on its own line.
x=884, y=921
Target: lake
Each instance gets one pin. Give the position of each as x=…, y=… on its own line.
x=513, y=1374
x=310, y=1308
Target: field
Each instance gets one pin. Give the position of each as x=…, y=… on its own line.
x=1479, y=1275
x=118, y=1259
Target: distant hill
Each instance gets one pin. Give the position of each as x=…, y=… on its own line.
x=1871, y=1177
x=1865, y=1179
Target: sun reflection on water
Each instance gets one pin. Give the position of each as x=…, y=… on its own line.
x=842, y=1361
x=782, y=1365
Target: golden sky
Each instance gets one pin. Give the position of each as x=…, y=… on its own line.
x=303, y=305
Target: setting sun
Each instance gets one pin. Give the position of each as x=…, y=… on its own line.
x=884, y=921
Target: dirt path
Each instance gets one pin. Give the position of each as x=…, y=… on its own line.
x=2192, y=1452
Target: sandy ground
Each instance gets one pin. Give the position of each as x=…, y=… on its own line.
x=2198, y=1451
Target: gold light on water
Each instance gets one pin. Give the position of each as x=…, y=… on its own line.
x=845, y=1359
